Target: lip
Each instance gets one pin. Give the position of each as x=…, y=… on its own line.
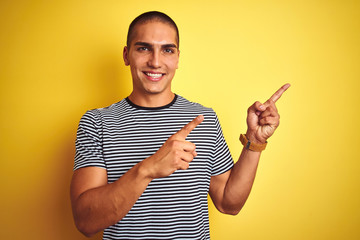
x=153, y=76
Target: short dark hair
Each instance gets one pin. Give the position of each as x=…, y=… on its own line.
x=148, y=17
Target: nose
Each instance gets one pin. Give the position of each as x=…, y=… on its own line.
x=154, y=59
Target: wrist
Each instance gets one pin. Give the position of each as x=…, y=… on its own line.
x=144, y=171
x=251, y=136
x=252, y=146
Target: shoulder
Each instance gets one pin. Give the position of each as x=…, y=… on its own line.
x=99, y=112
x=183, y=103
x=96, y=116
x=210, y=117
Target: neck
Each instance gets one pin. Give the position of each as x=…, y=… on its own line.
x=151, y=100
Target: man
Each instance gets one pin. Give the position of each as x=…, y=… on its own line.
x=144, y=165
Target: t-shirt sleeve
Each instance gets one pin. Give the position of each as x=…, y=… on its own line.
x=89, y=142
x=223, y=160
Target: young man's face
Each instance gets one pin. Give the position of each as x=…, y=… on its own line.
x=153, y=57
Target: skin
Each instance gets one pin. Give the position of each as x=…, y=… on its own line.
x=229, y=191
x=153, y=50
x=97, y=205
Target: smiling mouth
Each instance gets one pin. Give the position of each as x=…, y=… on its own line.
x=154, y=76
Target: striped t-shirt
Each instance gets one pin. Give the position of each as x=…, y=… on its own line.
x=121, y=135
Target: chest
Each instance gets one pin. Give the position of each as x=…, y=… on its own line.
x=128, y=141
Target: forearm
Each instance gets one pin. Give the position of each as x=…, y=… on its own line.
x=240, y=181
x=101, y=207
x=229, y=191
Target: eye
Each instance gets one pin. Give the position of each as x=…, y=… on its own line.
x=141, y=49
x=169, y=50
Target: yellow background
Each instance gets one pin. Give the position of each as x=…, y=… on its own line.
x=60, y=58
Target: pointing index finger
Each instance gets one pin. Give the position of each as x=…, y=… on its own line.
x=279, y=92
x=184, y=132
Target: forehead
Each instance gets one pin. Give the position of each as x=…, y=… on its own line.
x=154, y=32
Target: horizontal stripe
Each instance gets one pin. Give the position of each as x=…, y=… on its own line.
x=122, y=135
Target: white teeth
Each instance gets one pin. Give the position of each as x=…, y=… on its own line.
x=154, y=75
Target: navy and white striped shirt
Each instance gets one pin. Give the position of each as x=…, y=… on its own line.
x=120, y=136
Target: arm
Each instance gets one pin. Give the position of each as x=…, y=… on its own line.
x=229, y=191
x=97, y=205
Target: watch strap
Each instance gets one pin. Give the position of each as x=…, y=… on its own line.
x=250, y=145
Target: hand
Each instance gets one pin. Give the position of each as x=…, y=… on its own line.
x=176, y=153
x=263, y=119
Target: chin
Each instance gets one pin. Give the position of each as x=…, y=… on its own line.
x=155, y=90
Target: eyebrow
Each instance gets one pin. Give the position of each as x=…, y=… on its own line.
x=169, y=45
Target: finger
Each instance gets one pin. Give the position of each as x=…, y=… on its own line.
x=270, y=111
x=187, y=157
x=256, y=108
x=278, y=93
x=188, y=146
x=273, y=121
x=184, y=132
x=183, y=165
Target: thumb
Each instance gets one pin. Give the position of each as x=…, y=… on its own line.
x=256, y=108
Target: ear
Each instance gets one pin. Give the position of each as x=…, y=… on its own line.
x=177, y=64
x=126, y=56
